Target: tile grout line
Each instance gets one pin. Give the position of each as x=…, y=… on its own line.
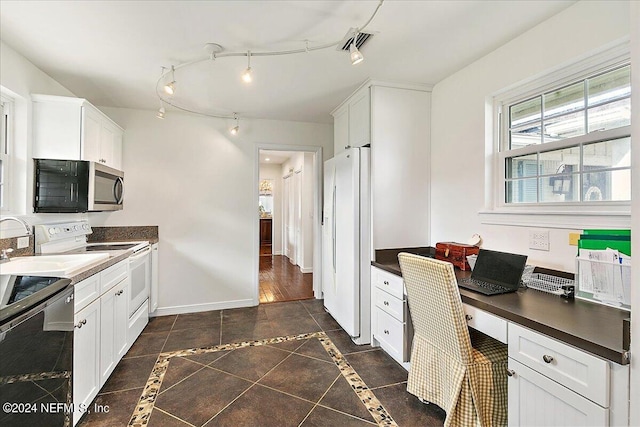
x=321, y=397
x=177, y=418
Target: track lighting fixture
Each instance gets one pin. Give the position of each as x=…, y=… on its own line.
x=216, y=52
x=170, y=88
x=234, y=130
x=356, y=56
x=161, y=111
x=246, y=76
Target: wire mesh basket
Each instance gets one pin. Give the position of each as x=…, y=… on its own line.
x=547, y=283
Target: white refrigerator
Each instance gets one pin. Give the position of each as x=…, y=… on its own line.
x=346, y=242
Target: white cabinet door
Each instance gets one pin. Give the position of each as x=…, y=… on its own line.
x=535, y=400
x=86, y=357
x=114, y=323
x=360, y=119
x=341, y=130
x=91, y=134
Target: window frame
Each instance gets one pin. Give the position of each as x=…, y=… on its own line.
x=550, y=214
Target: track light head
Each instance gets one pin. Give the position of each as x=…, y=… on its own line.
x=234, y=130
x=246, y=76
x=161, y=113
x=170, y=88
x=356, y=56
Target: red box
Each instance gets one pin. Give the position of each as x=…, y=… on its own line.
x=456, y=253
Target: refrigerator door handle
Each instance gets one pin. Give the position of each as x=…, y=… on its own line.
x=333, y=228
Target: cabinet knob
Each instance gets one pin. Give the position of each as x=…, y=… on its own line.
x=69, y=299
x=386, y=282
x=547, y=358
x=511, y=373
x=386, y=303
x=386, y=331
x=80, y=323
x=119, y=292
x=468, y=317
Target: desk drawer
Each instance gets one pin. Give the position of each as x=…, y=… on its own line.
x=388, y=282
x=390, y=333
x=390, y=304
x=487, y=323
x=579, y=371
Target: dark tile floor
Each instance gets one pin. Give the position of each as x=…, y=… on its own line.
x=292, y=383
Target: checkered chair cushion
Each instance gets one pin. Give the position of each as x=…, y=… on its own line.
x=463, y=374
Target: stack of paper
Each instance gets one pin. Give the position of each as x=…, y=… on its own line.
x=606, y=274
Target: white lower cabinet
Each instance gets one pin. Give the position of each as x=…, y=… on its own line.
x=100, y=336
x=554, y=384
x=86, y=357
x=114, y=319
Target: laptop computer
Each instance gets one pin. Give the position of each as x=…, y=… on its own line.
x=495, y=273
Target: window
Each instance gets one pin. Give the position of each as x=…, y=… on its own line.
x=568, y=144
x=6, y=115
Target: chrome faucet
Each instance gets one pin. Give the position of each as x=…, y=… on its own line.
x=26, y=226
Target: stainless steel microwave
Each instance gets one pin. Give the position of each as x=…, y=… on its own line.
x=76, y=186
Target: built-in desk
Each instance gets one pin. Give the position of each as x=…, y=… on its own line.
x=566, y=353
x=591, y=327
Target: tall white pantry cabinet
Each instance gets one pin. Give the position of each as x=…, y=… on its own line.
x=395, y=119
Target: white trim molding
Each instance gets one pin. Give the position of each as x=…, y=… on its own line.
x=552, y=219
x=197, y=308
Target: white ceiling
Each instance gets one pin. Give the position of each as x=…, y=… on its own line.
x=275, y=157
x=111, y=52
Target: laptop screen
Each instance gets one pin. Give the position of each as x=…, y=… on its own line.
x=500, y=268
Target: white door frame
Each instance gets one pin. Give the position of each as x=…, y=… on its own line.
x=317, y=214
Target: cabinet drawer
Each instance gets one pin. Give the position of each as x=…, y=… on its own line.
x=390, y=304
x=388, y=282
x=486, y=323
x=114, y=274
x=390, y=333
x=86, y=291
x=581, y=372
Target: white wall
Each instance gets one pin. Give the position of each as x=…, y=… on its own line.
x=187, y=175
x=20, y=78
x=274, y=173
x=458, y=124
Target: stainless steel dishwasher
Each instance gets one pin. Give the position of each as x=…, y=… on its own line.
x=36, y=351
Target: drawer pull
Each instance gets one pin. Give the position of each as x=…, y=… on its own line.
x=468, y=317
x=547, y=358
x=511, y=373
x=80, y=323
x=386, y=331
x=386, y=282
x=386, y=303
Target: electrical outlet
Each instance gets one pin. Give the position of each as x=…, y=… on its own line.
x=539, y=240
x=23, y=242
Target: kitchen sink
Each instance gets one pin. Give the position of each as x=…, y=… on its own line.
x=51, y=265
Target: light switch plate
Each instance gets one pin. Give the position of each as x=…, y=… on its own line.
x=23, y=242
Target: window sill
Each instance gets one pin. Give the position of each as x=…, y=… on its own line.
x=548, y=218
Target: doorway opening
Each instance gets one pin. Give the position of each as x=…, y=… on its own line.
x=287, y=190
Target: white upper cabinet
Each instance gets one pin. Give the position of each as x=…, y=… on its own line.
x=72, y=128
x=395, y=119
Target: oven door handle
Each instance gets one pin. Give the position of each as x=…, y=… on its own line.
x=144, y=252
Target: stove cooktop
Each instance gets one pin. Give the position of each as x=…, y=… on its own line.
x=110, y=247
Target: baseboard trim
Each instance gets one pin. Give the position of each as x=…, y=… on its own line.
x=196, y=308
x=306, y=270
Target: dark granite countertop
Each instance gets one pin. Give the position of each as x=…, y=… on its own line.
x=595, y=328
x=124, y=234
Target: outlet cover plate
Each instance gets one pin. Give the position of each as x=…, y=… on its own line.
x=539, y=240
x=23, y=242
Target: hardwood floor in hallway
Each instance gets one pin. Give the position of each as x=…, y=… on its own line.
x=282, y=281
